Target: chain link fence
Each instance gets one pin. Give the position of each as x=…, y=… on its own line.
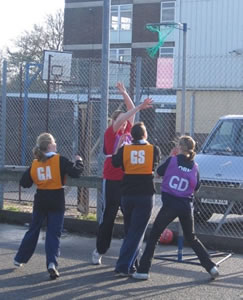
x=70, y=110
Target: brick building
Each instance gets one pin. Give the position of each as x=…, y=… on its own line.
x=128, y=36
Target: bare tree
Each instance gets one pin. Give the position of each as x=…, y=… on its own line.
x=30, y=45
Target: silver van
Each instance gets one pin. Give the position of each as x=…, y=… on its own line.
x=220, y=163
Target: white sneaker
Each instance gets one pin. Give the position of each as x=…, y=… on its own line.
x=96, y=257
x=140, y=276
x=214, y=272
x=17, y=264
x=53, y=271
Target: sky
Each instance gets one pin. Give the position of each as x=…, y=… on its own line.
x=16, y=16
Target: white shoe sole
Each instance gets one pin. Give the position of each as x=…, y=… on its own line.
x=140, y=276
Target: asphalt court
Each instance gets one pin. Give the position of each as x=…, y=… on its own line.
x=81, y=280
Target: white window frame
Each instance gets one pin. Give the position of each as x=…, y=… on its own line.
x=121, y=71
x=121, y=8
x=119, y=55
x=165, y=6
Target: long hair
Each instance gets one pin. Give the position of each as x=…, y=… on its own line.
x=41, y=147
x=187, y=145
x=115, y=114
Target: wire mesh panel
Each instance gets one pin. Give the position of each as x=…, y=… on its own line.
x=71, y=112
x=213, y=118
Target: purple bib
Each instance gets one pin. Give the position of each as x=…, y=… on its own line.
x=179, y=181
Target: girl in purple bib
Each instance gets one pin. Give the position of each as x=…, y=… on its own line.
x=180, y=180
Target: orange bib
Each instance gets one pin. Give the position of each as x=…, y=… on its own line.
x=138, y=159
x=46, y=175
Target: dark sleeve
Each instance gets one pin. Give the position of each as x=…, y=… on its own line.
x=157, y=156
x=117, y=159
x=162, y=168
x=26, y=180
x=198, y=181
x=73, y=169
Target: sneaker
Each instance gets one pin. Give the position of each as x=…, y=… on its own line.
x=140, y=276
x=17, y=264
x=96, y=257
x=121, y=274
x=53, y=271
x=214, y=272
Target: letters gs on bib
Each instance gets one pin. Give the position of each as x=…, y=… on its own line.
x=137, y=157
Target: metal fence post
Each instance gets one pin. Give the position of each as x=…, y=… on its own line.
x=27, y=83
x=183, y=81
x=104, y=92
x=138, y=84
x=183, y=117
x=25, y=115
x=192, y=115
x=3, y=126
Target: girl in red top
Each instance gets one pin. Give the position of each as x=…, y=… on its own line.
x=115, y=135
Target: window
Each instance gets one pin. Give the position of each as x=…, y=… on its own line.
x=114, y=19
x=165, y=68
x=223, y=138
x=120, y=71
x=168, y=11
x=121, y=17
x=166, y=52
x=123, y=54
x=121, y=23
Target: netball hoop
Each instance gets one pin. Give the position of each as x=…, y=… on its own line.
x=163, y=30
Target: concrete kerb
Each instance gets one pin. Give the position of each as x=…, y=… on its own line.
x=89, y=228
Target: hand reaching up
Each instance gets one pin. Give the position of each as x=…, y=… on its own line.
x=147, y=103
x=120, y=86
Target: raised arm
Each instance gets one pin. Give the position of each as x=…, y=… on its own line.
x=123, y=117
x=127, y=100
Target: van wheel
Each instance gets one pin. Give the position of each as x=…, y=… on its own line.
x=202, y=215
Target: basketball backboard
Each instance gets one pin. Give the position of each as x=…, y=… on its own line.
x=60, y=65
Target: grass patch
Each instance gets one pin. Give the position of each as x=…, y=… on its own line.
x=12, y=208
x=89, y=217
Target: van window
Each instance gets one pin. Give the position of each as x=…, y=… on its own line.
x=239, y=139
x=227, y=138
x=222, y=139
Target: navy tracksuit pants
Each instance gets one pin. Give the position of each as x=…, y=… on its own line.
x=110, y=205
x=137, y=210
x=53, y=233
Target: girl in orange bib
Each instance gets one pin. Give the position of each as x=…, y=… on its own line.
x=48, y=171
x=138, y=161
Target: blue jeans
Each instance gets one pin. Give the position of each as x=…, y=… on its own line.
x=53, y=233
x=137, y=211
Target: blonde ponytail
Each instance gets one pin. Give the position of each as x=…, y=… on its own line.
x=42, y=143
